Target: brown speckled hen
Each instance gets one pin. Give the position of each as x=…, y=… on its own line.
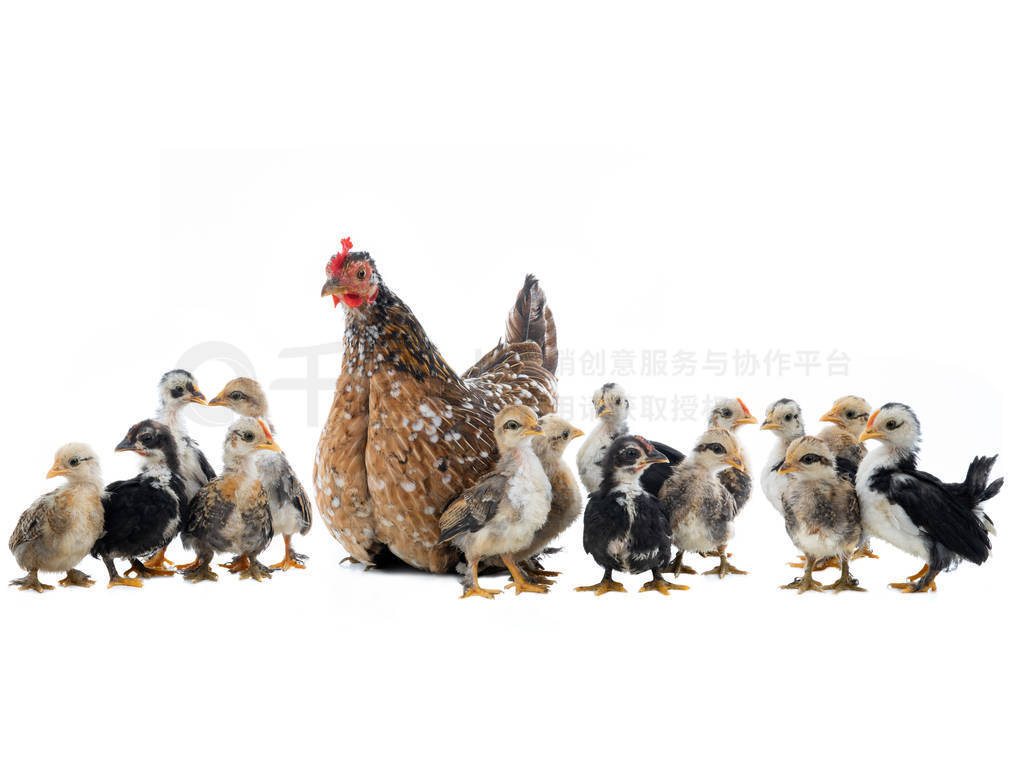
x=406, y=433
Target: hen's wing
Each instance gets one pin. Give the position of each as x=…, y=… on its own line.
x=431, y=439
x=473, y=508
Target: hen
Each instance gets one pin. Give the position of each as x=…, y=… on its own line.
x=406, y=433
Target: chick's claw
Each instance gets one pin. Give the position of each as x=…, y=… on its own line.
x=662, y=586
x=199, y=573
x=31, y=581
x=602, y=587
x=76, y=578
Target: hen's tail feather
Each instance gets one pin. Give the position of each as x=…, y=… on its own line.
x=531, y=320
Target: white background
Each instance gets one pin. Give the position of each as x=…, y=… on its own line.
x=785, y=176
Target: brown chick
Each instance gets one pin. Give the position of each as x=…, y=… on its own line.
x=61, y=527
x=501, y=514
x=566, y=500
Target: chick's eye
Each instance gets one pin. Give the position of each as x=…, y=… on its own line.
x=891, y=424
x=850, y=414
x=177, y=392
x=146, y=439
x=631, y=454
x=727, y=413
x=809, y=459
x=511, y=425
x=236, y=396
x=717, y=448
x=248, y=437
x=74, y=462
x=565, y=435
x=789, y=417
x=618, y=401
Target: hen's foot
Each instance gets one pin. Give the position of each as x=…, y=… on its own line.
x=143, y=571
x=660, y=585
x=76, y=579
x=123, y=581
x=603, y=586
x=354, y=561
x=159, y=561
x=200, y=572
x=256, y=570
x=31, y=581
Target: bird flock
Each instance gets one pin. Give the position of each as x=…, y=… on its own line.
x=176, y=493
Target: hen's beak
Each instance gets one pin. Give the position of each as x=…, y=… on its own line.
x=747, y=419
x=785, y=469
x=56, y=470
x=770, y=425
x=269, y=445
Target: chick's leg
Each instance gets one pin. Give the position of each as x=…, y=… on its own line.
x=237, y=564
x=159, y=561
x=520, y=581
x=864, y=551
x=475, y=590
x=845, y=582
x=142, y=570
x=677, y=566
x=807, y=582
x=658, y=584
x=115, y=579
x=201, y=570
x=31, y=581
x=76, y=578
x=925, y=584
x=820, y=564
x=911, y=582
x=291, y=559
x=607, y=584
x=724, y=566
x=256, y=570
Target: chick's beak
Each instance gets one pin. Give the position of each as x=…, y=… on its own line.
x=576, y=433
x=196, y=397
x=220, y=399
x=770, y=425
x=832, y=417
x=737, y=464
x=269, y=445
x=746, y=420
x=56, y=470
x=656, y=457
x=602, y=409
x=785, y=469
x=870, y=433
x=533, y=429
x=125, y=445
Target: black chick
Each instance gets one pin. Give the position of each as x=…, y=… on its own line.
x=624, y=527
x=141, y=516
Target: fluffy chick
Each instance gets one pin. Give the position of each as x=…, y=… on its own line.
x=624, y=527
x=821, y=512
x=730, y=414
x=785, y=420
x=611, y=406
x=942, y=523
x=566, y=501
x=290, y=509
x=701, y=510
x=59, y=529
x=501, y=514
x=231, y=513
x=141, y=516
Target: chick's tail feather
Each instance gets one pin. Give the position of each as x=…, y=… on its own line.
x=979, y=488
x=531, y=320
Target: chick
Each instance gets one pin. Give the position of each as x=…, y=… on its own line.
x=821, y=511
x=59, y=529
x=701, y=510
x=848, y=417
x=141, y=516
x=566, y=501
x=231, y=513
x=785, y=419
x=942, y=523
x=624, y=527
x=501, y=514
x=730, y=414
x=177, y=389
x=290, y=508
x=612, y=409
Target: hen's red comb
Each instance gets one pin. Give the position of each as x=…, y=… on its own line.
x=334, y=265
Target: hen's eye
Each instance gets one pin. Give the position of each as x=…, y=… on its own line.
x=511, y=425
x=248, y=437
x=177, y=392
x=73, y=462
x=361, y=273
x=891, y=424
